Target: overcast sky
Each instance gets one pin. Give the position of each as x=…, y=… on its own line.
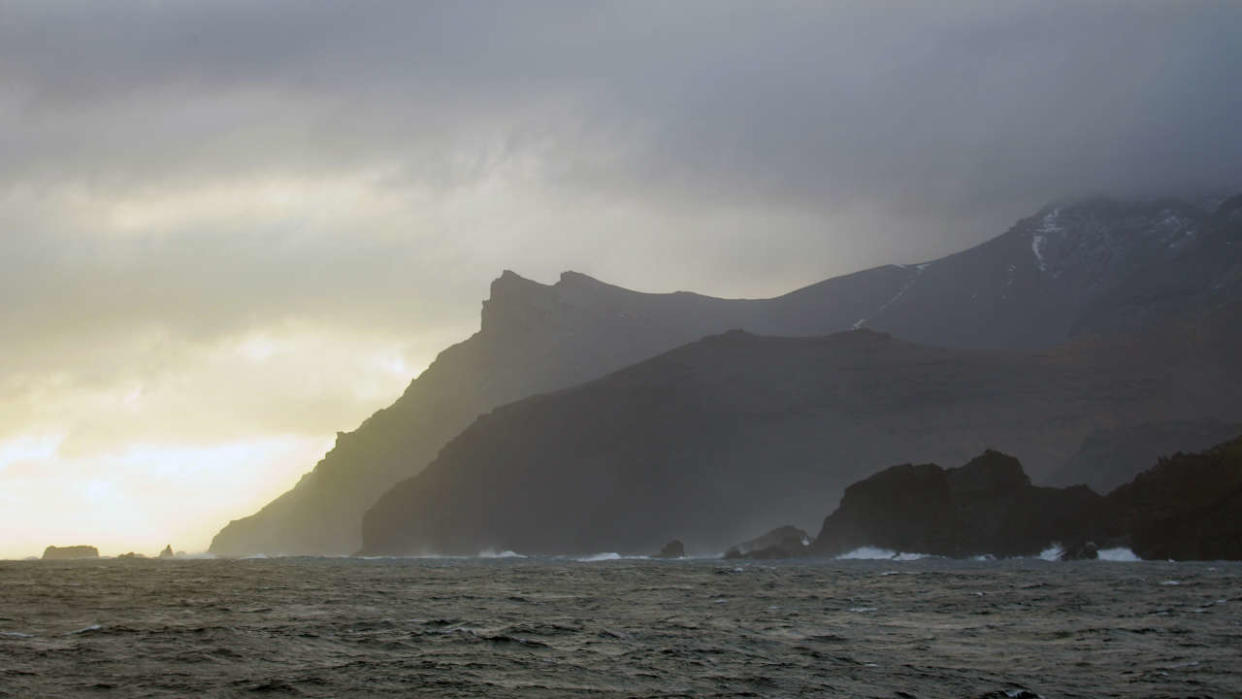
x=229, y=229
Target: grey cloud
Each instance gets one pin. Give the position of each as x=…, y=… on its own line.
x=722, y=145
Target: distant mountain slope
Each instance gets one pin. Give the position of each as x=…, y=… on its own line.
x=1050, y=277
x=1111, y=457
x=534, y=338
x=736, y=433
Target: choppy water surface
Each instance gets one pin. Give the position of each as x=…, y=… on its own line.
x=331, y=627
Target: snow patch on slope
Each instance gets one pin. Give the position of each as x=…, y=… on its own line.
x=896, y=297
x=1039, y=240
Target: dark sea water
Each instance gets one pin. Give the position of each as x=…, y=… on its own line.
x=523, y=627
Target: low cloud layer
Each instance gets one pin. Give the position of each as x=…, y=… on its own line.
x=231, y=224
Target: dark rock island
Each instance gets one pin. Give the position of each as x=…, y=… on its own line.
x=783, y=542
x=69, y=553
x=987, y=507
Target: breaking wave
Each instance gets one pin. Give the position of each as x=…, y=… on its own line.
x=489, y=553
x=1119, y=555
x=599, y=557
x=875, y=553
x=1052, y=553
x=609, y=556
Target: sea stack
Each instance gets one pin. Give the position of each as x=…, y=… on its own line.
x=167, y=552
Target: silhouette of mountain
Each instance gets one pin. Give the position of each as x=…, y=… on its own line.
x=737, y=433
x=1051, y=277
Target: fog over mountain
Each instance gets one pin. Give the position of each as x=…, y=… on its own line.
x=231, y=230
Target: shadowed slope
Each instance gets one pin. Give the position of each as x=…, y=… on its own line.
x=736, y=433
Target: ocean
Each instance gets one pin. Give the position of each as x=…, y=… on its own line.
x=526, y=627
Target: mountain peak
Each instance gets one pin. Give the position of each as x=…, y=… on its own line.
x=571, y=278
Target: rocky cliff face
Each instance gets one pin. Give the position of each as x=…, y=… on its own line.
x=1058, y=274
x=987, y=507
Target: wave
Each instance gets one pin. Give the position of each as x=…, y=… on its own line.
x=609, y=556
x=1119, y=555
x=1052, y=553
x=593, y=558
x=489, y=553
x=875, y=553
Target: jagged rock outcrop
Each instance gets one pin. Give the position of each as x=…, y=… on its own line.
x=673, y=549
x=987, y=507
x=1187, y=507
x=69, y=553
x=783, y=542
x=1053, y=276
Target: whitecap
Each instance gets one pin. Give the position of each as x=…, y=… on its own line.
x=1052, y=553
x=491, y=553
x=868, y=553
x=875, y=553
x=255, y=557
x=1170, y=582
x=87, y=629
x=15, y=634
x=1120, y=554
x=612, y=556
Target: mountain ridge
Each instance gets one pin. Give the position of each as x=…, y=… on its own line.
x=736, y=432
x=537, y=337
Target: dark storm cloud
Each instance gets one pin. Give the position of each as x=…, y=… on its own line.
x=905, y=105
x=747, y=145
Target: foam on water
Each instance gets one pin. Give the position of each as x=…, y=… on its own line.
x=867, y=553
x=1052, y=553
x=599, y=557
x=490, y=553
x=1119, y=555
x=875, y=553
